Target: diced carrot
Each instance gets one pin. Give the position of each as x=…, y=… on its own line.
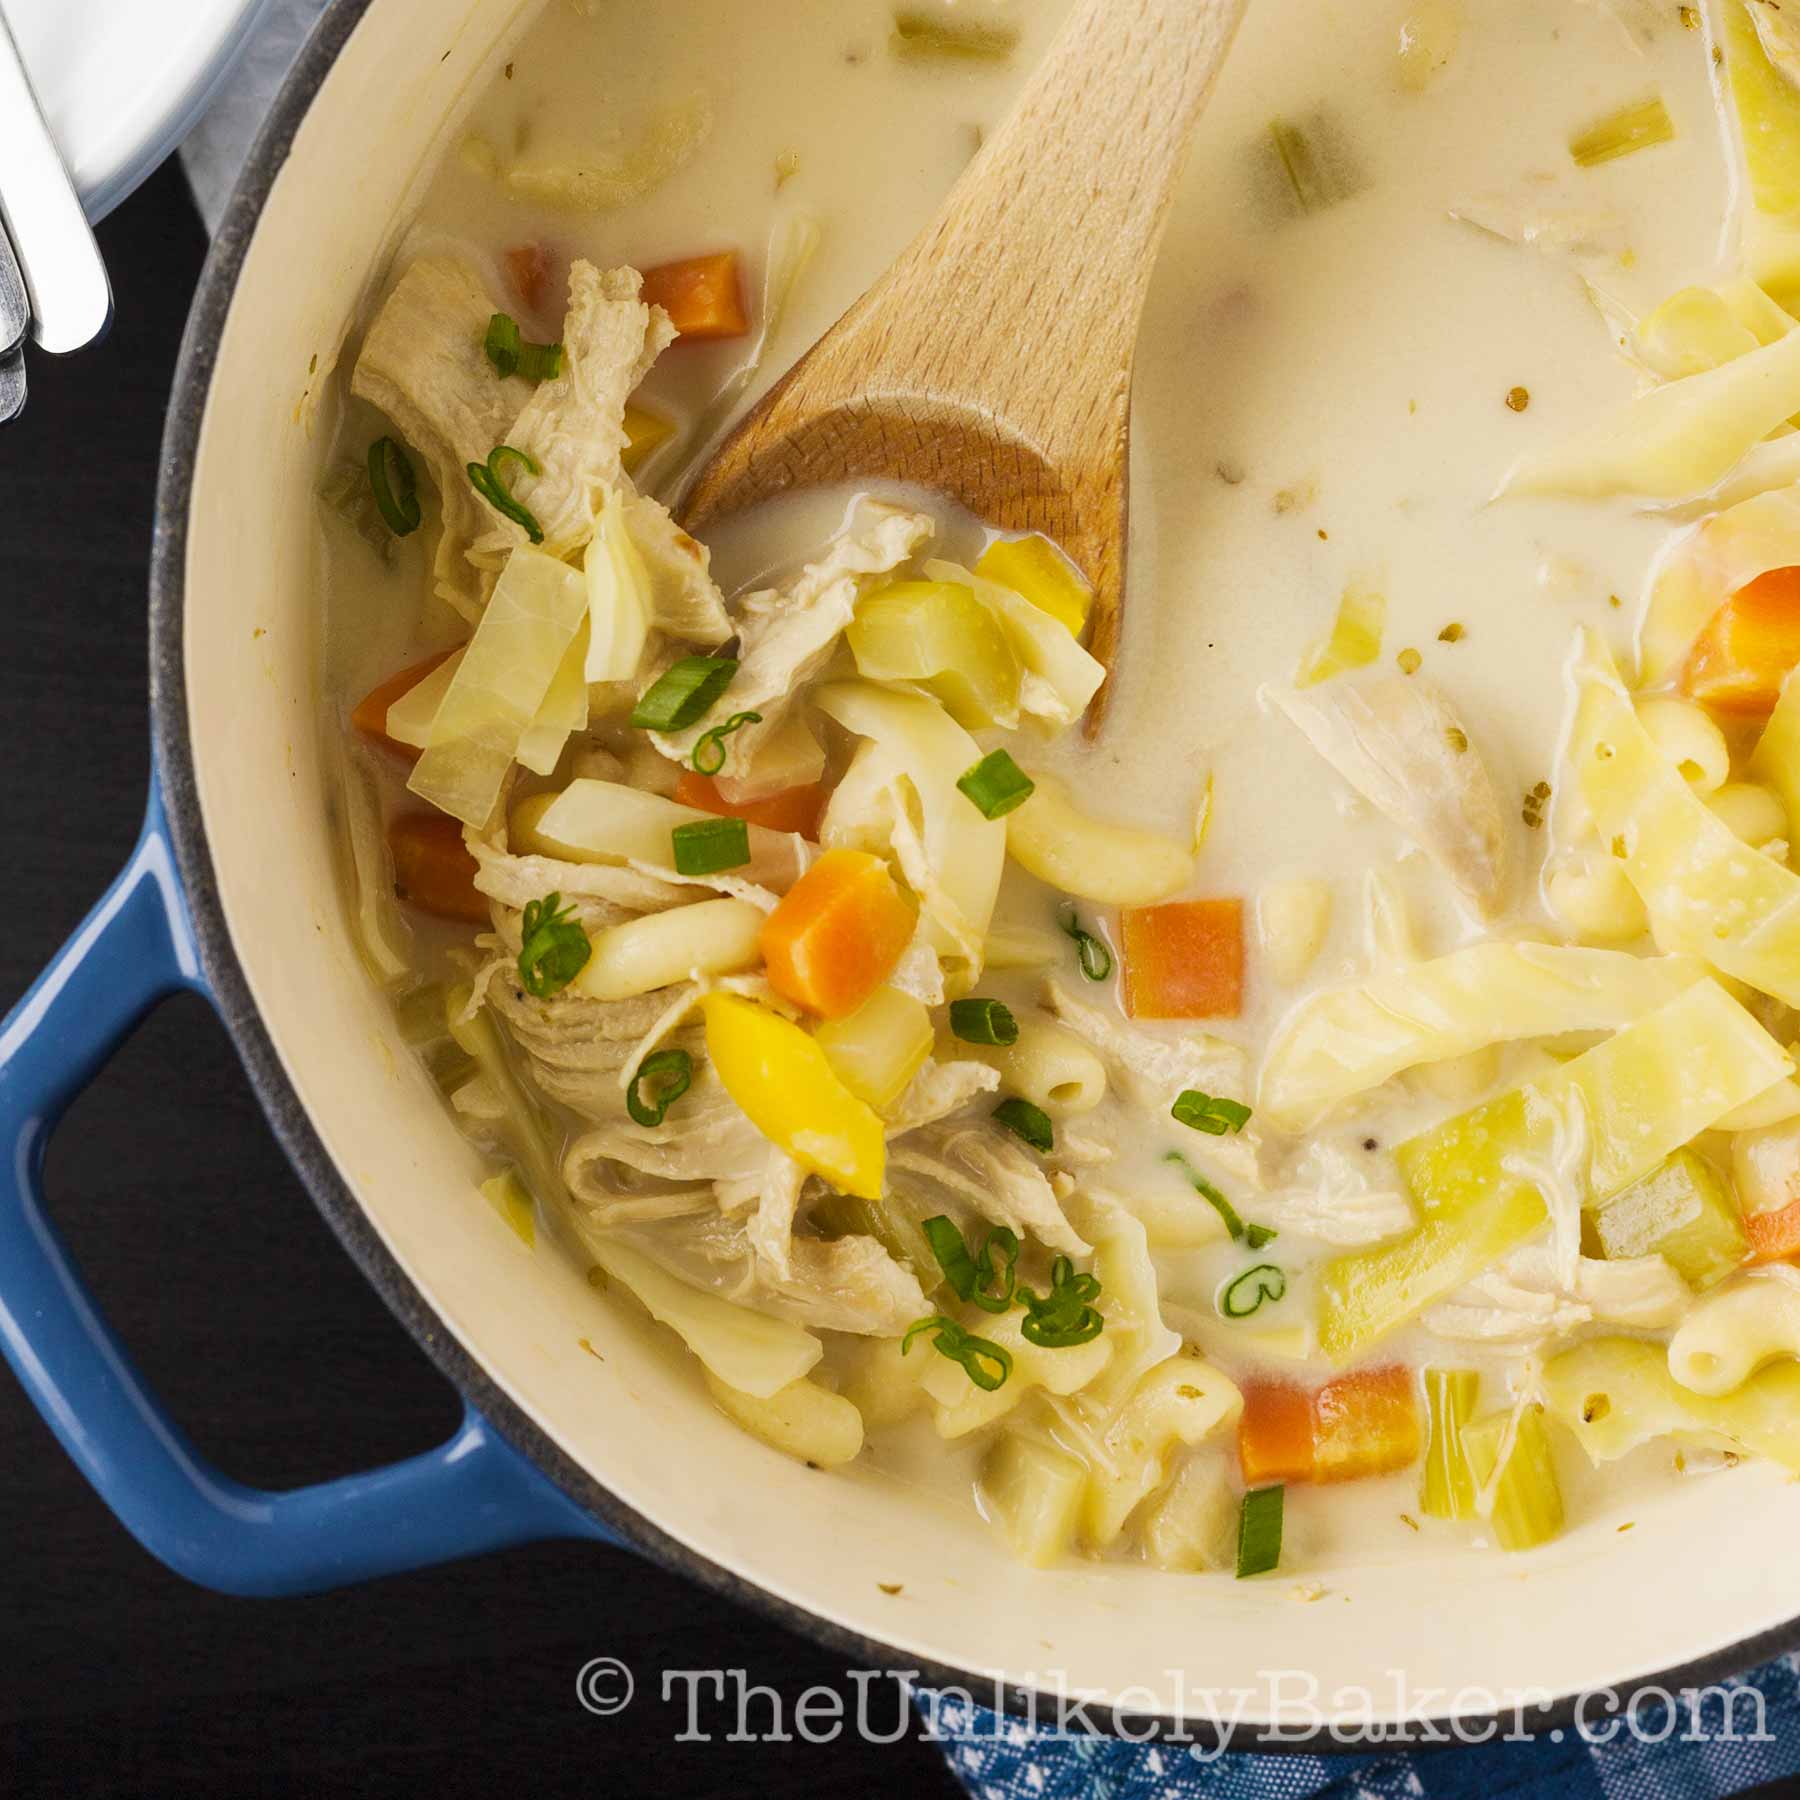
x=1363, y=1423
x=433, y=869
x=528, y=268
x=793, y=809
x=1184, y=959
x=1773, y=1235
x=370, y=715
x=837, y=934
x=702, y=295
x=1275, y=1433
x=1748, y=648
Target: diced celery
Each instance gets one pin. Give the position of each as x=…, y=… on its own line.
x=931, y=37
x=420, y=1016
x=1617, y=1393
x=1315, y=162
x=511, y=1199
x=1034, y=567
x=880, y=1047
x=941, y=636
x=1630, y=128
x=1524, y=1499
x=1681, y=1211
x=1034, y=1491
x=1354, y=640
x=1448, y=1488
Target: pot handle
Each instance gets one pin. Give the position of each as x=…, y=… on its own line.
x=472, y=1494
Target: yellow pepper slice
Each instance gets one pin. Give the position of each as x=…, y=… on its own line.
x=644, y=431
x=1034, y=567
x=788, y=1089
x=939, y=635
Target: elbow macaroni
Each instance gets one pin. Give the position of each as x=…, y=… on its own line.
x=711, y=937
x=1050, y=1067
x=1687, y=736
x=1117, y=865
x=1731, y=1334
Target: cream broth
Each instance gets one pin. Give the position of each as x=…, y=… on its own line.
x=1328, y=399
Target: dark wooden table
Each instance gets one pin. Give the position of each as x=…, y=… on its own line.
x=115, y=1676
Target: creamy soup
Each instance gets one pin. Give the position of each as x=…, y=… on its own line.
x=1346, y=1098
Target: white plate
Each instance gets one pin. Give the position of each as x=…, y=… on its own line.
x=121, y=81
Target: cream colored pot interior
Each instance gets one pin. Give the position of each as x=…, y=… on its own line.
x=1466, y=1631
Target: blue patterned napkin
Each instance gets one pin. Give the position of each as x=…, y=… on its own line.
x=1687, y=1752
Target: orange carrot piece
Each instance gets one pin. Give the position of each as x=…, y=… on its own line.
x=370, y=714
x=1275, y=1433
x=528, y=268
x=701, y=294
x=1748, y=647
x=837, y=934
x=433, y=869
x=793, y=809
x=1773, y=1235
x=1184, y=960
x=1363, y=1423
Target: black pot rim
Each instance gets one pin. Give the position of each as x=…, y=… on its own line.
x=345, y=1214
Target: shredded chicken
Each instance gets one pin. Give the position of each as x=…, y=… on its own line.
x=938, y=1090
x=1525, y=1302
x=1330, y=1198
x=989, y=1174
x=1396, y=741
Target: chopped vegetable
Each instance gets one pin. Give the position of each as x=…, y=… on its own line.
x=978, y=1020
x=509, y=353
x=975, y=1278
x=489, y=480
x=1509, y=1456
x=781, y=1079
x=1209, y=1113
x=793, y=809
x=1066, y=1315
x=511, y=1199
x=1749, y=648
x=609, y=176
x=684, y=693
x=703, y=295
x=1773, y=1236
x=1117, y=865
x=593, y=821
x=644, y=432
x=708, y=846
x=1447, y=1489
x=996, y=785
x=1354, y=640
x=1090, y=952
x=433, y=869
x=1034, y=567
x=395, y=487
x=879, y=1048
x=937, y=634
x=1706, y=891
x=986, y=1363
x=1027, y=1122
x=1681, y=1212
x=619, y=597
x=528, y=268
x=1363, y=1423
x=1767, y=104
x=1184, y=960
x=1314, y=162
x=1630, y=128
x=555, y=948
x=537, y=607
x=1034, y=1491
x=1245, y=1293
x=1211, y=1195
x=661, y=1079
x=838, y=933
x=370, y=716
x=929, y=37
x=709, y=747
x=1259, y=1532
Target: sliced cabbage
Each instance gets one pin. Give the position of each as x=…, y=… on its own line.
x=605, y=179
x=1676, y=440
x=1710, y=564
x=380, y=932
x=537, y=608
x=1707, y=892
x=564, y=711
x=1346, y=1040
x=1354, y=640
x=409, y=718
x=951, y=856
x=1763, y=67
x=1690, y=332
x=1060, y=677
x=618, y=589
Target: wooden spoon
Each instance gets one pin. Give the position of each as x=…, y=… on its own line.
x=992, y=363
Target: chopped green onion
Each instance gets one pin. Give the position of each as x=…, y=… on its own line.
x=1205, y=1189
x=996, y=785
x=709, y=751
x=1243, y=1294
x=974, y=1277
x=979, y=1020
x=1095, y=959
x=489, y=481
x=1066, y=1315
x=395, y=488
x=1259, y=1531
x=1257, y=1235
x=667, y=1073
x=555, y=950
x=511, y=355
x=987, y=1364
x=706, y=846
x=1030, y=1122
x=683, y=693
x=1209, y=1113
